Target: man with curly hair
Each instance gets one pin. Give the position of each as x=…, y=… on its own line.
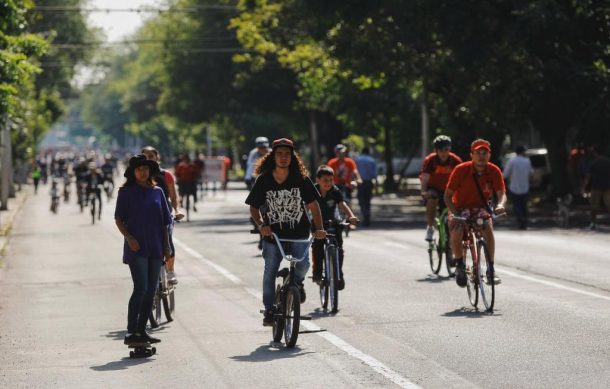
x=277, y=203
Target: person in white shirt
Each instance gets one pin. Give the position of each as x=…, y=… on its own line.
x=517, y=171
x=261, y=149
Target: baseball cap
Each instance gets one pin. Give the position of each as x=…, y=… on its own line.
x=480, y=144
x=340, y=147
x=282, y=142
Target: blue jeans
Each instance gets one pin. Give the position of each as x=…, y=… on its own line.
x=273, y=259
x=145, y=276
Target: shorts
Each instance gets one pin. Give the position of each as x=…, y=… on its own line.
x=436, y=194
x=469, y=214
x=600, y=198
x=187, y=188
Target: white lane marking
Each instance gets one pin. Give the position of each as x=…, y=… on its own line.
x=551, y=283
x=216, y=267
x=375, y=364
x=529, y=278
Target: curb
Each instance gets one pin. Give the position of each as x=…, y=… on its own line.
x=6, y=229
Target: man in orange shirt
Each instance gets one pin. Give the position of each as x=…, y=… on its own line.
x=464, y=199
x=345, y=171
x=434, y=176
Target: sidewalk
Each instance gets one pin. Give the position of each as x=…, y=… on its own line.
x=8, y=217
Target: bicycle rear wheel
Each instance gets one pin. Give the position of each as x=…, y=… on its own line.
x=167, y=293
x=93, y=211
x=155, y=314
x=446, y=246
x=471, y=276
x=292, y=315
x=486, y=284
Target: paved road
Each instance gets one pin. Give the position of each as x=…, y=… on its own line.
x=64, y=292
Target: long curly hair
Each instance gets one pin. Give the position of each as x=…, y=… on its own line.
x=266, y=164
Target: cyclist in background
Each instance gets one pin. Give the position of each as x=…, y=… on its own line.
x=108, y=169
x=261, y=149
x=165, y=180
x=94, y=181
x=434, y=176
x=470, y=188
x=346, y=172
x=187, y=173
x=330, y=198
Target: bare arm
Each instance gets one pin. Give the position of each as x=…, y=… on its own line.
x=314, y=207
x=173, y=197
x=348, y=211
x=131, y=241
x=501, y=202
x=449, y=201
x=255, y=214
x=424, y=179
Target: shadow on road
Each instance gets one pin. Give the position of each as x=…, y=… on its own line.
x=435, y=279
x=471, y=313
x=270, y=352
x=123, y=364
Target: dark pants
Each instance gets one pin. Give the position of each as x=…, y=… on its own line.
x=519, y=207
x=317, y=251
x=365, y=193
x=145, y=276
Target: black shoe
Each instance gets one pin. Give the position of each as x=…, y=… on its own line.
x=316, y=279
x=133, y=338
x=149, y=339
x=268, y=319
x=302, y=293
x=460, y=274
x=491, y=275
x=341, y=284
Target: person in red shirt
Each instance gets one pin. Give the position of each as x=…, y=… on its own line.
x=434, y=176
x=345, y=172
x=463, y=199
x=187, y=173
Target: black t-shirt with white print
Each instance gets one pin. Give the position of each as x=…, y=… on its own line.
x=283, y=205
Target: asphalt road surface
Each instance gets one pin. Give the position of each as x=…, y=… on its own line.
x=64, y=293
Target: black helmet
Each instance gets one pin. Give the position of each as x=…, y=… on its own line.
x=441, y=141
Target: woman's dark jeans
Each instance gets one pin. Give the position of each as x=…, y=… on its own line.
x=145, y=276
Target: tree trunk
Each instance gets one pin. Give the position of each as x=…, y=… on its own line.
x=389, y=185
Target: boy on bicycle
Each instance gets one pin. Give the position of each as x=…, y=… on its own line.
x=434, y=176
x=470, y=188
x=330, y=198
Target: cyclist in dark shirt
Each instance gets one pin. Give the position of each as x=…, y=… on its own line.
x=94, y=181
x=598, y=177
x=277, y=202
x=330, y=198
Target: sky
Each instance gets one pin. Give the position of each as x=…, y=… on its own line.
x=117, y=25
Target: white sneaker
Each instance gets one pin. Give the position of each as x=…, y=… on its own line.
x=429, y=233
x=171, y=278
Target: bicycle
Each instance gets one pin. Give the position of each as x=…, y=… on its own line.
x=108, y=188
x=331, y=269
x=165, y=295
x=477, y=277
x=287, y=316
x=91, y=200
x=441, y=246
x=82, y=195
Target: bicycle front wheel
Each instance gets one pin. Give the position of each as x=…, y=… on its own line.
x=292, y=316
x=278, y=323
x=486, y=281
x=324, y=287
x=435, y=256
x=471, y=275
x=333, y=280
x=93, y=212
x=155, y=315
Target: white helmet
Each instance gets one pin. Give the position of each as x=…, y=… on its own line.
x=261, y=141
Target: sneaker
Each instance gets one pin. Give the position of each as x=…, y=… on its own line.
x=194, y=208
x=148, y=338
x=429, y=233
x=491, y=275
x=341, y=284
x=171, y=278
x=132, y=338
x=268, y=319
x=460, y=274
x=302, y=293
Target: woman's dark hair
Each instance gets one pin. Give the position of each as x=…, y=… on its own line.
x=267, y=164
x=131, y=179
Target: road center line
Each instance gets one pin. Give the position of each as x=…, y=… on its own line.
x=375, y=364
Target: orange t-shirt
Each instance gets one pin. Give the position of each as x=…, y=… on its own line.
x=465, y=193
x=344, y=169
x=439, y=172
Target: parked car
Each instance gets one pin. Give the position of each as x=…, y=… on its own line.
x=540, y=163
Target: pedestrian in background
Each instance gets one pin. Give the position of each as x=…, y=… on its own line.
x=367, y=168
x=142, y=215
x=518, y=171
x=598, y=177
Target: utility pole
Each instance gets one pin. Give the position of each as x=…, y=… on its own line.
x=5, y=170
x=425, y=124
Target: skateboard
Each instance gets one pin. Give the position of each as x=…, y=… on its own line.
x=141, y=350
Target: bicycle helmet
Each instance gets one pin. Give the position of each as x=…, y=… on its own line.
x=441, y=141
x=261, y=141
